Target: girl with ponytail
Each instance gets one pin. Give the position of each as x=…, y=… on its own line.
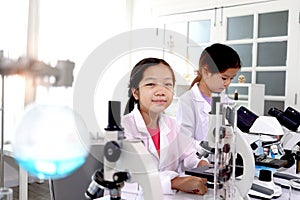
x=218, y=65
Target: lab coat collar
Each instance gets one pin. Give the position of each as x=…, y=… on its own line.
x=199, y=98
x=141, y=126
x=144, y=134
x=196, y=92
x=140, y=123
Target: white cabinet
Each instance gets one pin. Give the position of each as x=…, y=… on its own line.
x=250, y=96
x=264, y=33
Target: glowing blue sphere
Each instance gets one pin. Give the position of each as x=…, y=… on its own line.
x=50, y=141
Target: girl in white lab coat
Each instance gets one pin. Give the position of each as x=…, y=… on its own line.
x=218, y=65
x=150, y=92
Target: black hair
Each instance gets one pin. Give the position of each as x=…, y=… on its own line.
x=137, y=75
x=218, y=58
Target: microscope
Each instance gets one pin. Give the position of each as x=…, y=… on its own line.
x=124, y=161
x=290, y=142
x=273, y=138
x=224, y=145
x=290, y=121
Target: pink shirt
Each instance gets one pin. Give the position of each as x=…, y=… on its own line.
x=155, y=137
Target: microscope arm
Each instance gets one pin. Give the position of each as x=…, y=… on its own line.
x=133, y=159
x=290, y=140
x=243, y=148
x=136, y=159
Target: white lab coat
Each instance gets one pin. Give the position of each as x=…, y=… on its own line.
x=177, y=151
x=193, y=113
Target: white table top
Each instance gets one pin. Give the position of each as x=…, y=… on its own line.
x=179, y=195
x=187, y=196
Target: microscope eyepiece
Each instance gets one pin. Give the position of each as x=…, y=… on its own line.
x=293, y=114
x=245, y=119
x=114, y=116
x=215, y=100
x=290, y=118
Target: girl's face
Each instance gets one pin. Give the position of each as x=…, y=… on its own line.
x=219, y=81
x=155, y=92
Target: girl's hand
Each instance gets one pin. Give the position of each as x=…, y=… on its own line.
x=190, y=184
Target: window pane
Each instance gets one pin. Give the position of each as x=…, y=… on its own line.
x=271, y=104
x=274, y=82
x=272, y=54
x=240, y=27
x=199, y=31
x=245, y=53
x=273, y=24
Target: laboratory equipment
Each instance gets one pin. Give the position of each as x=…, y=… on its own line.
x=30, y=68
x=263, y=134
x=50, y=141
x=291, y=144
x=62, y=71
x=264, y=160
x=245, y=119
x=294, y=189
x=124, y=161
x=225, y=143
x=282, y=178
x=290, y=141
x=290, y=118
x=264, y=187
x=289, y=121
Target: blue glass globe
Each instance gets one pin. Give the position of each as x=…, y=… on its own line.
x=50, y=141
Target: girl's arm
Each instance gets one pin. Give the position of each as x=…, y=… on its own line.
x=189, y=184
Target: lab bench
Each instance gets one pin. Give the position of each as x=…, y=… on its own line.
x=24, y=179
x=188, y=196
